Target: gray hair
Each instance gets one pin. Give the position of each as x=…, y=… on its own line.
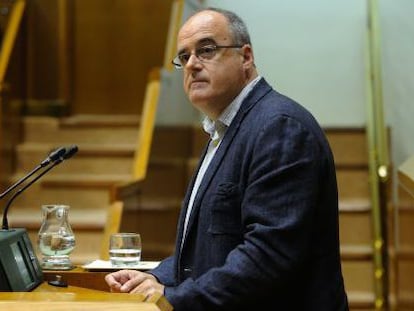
x=237, y=27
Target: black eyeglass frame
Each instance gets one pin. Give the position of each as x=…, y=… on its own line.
x=178, y=65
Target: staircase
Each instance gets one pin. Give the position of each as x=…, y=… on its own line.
x=105, y=158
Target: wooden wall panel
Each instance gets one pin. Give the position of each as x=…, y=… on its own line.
x=43, y=48
x=116, y=43
x=94, y=55
x=12, y=93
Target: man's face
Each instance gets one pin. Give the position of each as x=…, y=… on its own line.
x=212, y=84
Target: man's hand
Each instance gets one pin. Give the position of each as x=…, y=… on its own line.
x=131, y=281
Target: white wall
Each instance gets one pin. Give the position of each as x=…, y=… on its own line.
x=398, y=74
x=312, y=51
x=173, y=107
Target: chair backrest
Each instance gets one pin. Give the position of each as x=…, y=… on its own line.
x=113, y=224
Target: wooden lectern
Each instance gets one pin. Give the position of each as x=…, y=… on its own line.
x=89, y=294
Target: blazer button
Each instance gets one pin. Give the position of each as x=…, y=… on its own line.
x=187, y=272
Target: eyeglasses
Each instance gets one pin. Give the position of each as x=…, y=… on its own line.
x=202, y=53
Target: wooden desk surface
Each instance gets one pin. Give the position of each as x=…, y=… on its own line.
x=80, y=277
x=47, y=297
x=76, y=306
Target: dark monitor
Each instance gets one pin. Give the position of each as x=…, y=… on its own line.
x=19, y=268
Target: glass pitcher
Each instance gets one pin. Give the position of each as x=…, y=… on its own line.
x=56, y=239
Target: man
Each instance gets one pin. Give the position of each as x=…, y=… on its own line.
x=259, y=222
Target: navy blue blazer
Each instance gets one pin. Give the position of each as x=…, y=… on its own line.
x=264, y=224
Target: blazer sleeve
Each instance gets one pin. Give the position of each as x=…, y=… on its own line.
x=283, y=162
x=165, y=272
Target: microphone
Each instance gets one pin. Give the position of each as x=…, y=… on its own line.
x=70, y=152
x=52, y=157
x=57, y=158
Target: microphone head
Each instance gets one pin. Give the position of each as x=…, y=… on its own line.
x=70, y=151
x=54, y=155
x=57, y=153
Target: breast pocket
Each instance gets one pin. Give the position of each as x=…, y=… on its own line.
x=226, y=210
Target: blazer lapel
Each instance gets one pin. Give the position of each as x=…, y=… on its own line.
x=254, y=96
x=186, y=199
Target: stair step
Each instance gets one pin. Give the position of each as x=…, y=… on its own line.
x=84, y=198
x=91, y=158
x=50, y=130
x=356, y=252
x=349, y=146
x=81, y=180
x=353, y=183
x=358, y=275
x=86, y=149
x=356, y=205
x=359, y=301
x=85, y=180
x=101, y=120
x=154, y=204
x=77, y=190
x=355, y=227
x=82, y=219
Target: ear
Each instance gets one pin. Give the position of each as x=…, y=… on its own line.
x=248, y=57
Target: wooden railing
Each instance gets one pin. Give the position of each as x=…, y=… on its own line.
x=146, y=127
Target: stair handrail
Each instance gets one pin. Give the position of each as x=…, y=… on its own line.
x=147, y=123
x=378, y=154
x=9, y=38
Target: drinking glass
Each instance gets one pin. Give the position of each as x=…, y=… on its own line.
x=125, y=249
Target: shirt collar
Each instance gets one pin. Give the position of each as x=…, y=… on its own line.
x=217, y=128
